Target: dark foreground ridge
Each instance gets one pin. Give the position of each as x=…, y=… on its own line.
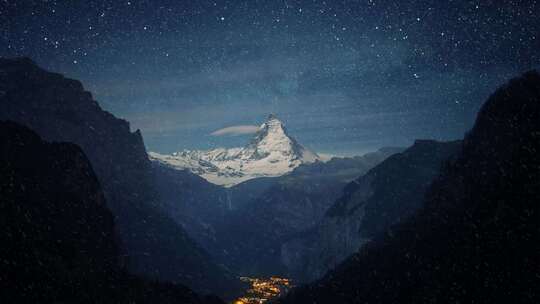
x=477, y=238
x=151, y=243
x=57, y=239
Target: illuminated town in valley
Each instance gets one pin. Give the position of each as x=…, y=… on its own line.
x=263, y=289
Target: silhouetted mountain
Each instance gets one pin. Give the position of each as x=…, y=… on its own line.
x=389, y=193
x=57, y=238
x=59, y=109
x=478, y=237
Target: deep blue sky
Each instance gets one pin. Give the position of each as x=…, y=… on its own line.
x=345, y=76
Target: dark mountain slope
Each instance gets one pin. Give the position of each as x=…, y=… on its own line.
x=192, y=202
x=398, y=185
x=389, y=193
x=59, y=109
x=477, y=239
x=57, y=242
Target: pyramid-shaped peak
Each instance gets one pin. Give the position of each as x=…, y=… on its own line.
x=273, y=141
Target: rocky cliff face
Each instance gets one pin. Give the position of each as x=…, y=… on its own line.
x=57, y=239
x=477, y=238
x=59, y=109
x=387, y=194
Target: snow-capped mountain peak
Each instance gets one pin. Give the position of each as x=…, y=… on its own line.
x=271, y=152
x=273, y=141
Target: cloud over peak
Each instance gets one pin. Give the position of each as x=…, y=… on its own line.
x=236, y=130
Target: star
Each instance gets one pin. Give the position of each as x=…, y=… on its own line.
x=242, y=53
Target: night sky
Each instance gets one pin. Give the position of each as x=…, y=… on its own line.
x=345, y=76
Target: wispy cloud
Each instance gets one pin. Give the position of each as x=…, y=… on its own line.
x=235, y=130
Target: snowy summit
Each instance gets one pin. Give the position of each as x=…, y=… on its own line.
x=271, y=152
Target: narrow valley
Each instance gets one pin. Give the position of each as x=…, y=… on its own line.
x=270, y=152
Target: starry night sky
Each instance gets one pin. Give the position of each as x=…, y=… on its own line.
x=345, y=76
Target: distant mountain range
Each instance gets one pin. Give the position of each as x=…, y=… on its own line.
x=272, y=152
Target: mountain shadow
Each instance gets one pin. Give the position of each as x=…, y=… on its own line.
x=57, y=243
